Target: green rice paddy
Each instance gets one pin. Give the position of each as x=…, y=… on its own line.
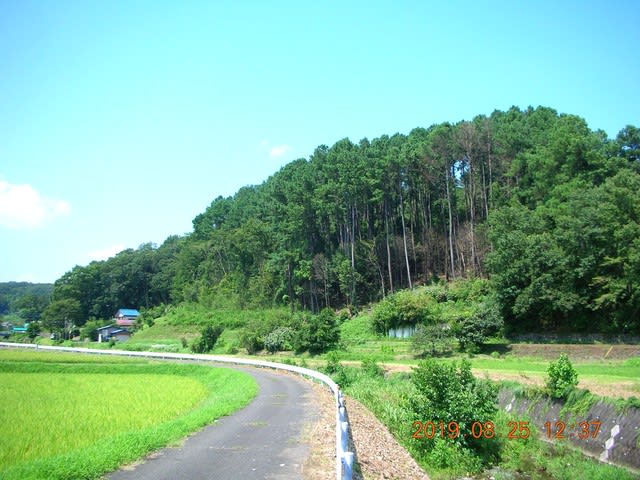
x=80, y=416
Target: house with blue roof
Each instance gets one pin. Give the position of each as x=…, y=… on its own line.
x=126, y=317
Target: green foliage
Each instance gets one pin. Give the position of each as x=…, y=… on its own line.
x=473, y=290
x=26, y=300
x=208, y=338
x=446, y=392
x=371, y=368
x=251, y=341
x=452, y=457
x=316, y=333
x=278, y=340
x=333, y=363
x=578, y=402
x=473, y=331
x=89, y=330
x=33, y=330
x=432, y=339
x=63, y=317
x=570, y=263
x=148, y=316
x=402, y=309
x=357, y=330
x=562, y=377
x=555, y=203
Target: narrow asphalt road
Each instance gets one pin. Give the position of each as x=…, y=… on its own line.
x=261, y=441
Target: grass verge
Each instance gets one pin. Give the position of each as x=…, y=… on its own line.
x=530, y=458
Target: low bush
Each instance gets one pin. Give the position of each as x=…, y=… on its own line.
x=448, y=392
x=432, y=339
x=562, y=377
x=404, y=308
x=251, y=341
x=474, y=330
x=316, y=333
x=371, y=368
x=208, y=337
x=278, y=340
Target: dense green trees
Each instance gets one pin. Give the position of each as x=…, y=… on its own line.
x=131, y=279
x=63, y=317
x=538, y=202
x=571, y=262
x=26, y=300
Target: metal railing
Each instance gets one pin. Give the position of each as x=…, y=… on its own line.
x=344, y=458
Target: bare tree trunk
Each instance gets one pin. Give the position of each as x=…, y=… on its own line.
x=404, y=240
x=353, y=238
x=453, y=268
x=386, y=229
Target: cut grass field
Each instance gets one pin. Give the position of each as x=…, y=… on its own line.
x=79, y=416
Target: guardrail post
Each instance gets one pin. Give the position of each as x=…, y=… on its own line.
x=339, y=450
x=344, y=437
x=348, y=466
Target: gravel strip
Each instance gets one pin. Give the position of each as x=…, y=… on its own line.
x=378, y=453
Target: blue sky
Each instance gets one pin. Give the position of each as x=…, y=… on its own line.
x=120, y=121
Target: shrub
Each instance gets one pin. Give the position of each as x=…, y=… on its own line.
x=371, y=368
x=453, y=457
x=333, y=363
x=208, y=337
x=278, y=340
x=251, y=341
x=316, y=333
x=563, y=378
x=336, y=370
x=446, y=392
x=90, y=330
x=433, y=339
x=33, y=330
x=473, y=331
x=403, y=308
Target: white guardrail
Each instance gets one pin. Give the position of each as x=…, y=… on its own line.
x=344, y=458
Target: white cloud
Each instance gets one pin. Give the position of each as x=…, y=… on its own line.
x=279, y=150
x=107, y=252
x=22, y=206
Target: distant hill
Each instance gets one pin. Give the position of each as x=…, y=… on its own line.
x=24, y=299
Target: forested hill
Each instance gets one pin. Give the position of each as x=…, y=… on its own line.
x=23, y=299
x=544, y=206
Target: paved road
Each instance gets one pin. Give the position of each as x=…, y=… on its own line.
x=261, y=441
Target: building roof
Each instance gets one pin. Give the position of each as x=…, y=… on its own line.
x=106, y=327
x=121, y=330
x=127, y=312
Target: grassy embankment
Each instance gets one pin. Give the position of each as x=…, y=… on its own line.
x=78, y=416
x=609, y=377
